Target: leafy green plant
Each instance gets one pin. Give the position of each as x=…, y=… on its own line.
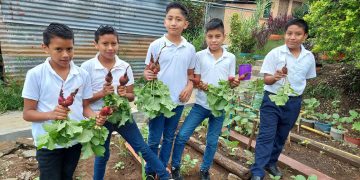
x=338, y=121
x=154, y=99
x=119, y=166
x=196, y=38
x=301, y=177
x=92, y=138
x=300, y=11
x=10, y=96
x=232, y=146
x=121, y=110
x=283, y=94
x=356, y=126
x=250, y=157
x=241, y=34
x=274, y=177
x=220, y=99
x=310, y=105
x=145, y=132
x=323, y=117
x=187, y=164
x=342, y=38
x=61, y=132
x=195, y=16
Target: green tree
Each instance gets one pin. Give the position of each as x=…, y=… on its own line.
x=334, y=26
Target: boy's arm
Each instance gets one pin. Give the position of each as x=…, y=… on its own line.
x=187, y=91
x=32, y=115
x=271, y=79
x=88, y=112
x=107, y=89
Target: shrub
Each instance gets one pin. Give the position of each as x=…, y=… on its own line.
x=10, y=96
x=277, y=25
x=335, y=28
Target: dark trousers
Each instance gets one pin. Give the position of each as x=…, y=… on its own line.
x=58, y=164
x=275, y=125
x=130, y=132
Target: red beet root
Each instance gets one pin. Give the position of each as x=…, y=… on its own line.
x=195, y=80
x=284, y=70
x=231, y=78
x=242, y=77
x=124, y=79
x=109, y=77
x=105, y=111
x=69, y=100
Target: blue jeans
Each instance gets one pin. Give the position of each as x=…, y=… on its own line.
x=163, y=127
x=58, y=164
x=195, y=117
x=130, y=132
x=275, y=125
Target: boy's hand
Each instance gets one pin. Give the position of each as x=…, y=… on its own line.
x=235, y=83
x=100, y=120
x=107, y=89
x=121, y=90
x=186, y=94
x=279, y=75
x=203, y=86
x=59, y=113
x=149, y=75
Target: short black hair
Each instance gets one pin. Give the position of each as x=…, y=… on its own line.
x=177, y=5
x=57, y=30
x=215, y=23
x=299, y=22
x=105, y=29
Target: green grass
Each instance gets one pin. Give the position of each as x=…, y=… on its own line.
x=268, y=47
x=10, y=96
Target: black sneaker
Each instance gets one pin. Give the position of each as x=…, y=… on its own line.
x=274, y=170
x=150, y=176
x=204, y=175
x=175, y=173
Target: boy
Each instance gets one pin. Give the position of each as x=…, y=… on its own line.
x=107, y=43
x=41, y=88
x=277, y=121
x=177, y=63
x=213, y=64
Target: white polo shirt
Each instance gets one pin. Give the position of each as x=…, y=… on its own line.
x=98, y=73
x=174, y=63
x=299, y=69
x=43, y=85
x=212, y=71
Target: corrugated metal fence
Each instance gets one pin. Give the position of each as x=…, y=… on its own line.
x=22, y=23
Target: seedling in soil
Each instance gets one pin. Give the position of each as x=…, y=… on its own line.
x=119, y=166
x=249, y=156
x=301, y=177
x=304, y=142
x=187, y=164
x=232, y=146
x=275, y=177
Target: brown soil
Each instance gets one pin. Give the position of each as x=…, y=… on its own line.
x=323, y=163
x=14, y=165
x=337, y=144
x=342, y=77
x=239, y=156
